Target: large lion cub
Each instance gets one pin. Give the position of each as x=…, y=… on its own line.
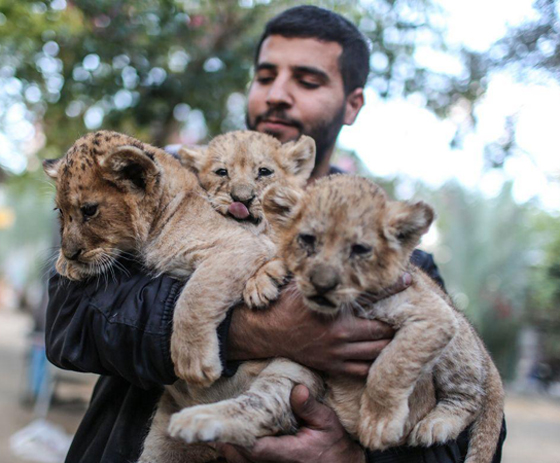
x=343, y=238
x=117, y=195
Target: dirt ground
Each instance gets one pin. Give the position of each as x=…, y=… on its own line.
x=533, y=423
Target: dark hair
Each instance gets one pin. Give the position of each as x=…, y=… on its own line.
x=312, y=22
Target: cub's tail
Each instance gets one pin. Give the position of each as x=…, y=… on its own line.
x=485, y=430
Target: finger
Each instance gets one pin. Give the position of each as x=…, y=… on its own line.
x=402, y=283
x=356, y=369
x=362, y=350
x=360, y=329
x=232, y=454
x=276, y=449
x=314, y=414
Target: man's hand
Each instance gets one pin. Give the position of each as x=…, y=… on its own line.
x=321, y=438
x=342, y=345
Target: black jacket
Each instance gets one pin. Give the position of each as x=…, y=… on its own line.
x=120, y=328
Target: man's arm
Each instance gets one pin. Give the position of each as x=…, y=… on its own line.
x=119, y=325
x=343, y=345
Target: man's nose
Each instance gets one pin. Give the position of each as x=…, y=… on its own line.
x=279, y=94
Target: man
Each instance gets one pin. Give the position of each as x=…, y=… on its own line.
x=311, y=66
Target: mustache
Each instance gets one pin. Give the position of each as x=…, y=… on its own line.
x=280, y=116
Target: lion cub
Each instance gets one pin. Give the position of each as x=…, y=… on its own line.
x=236, y=168
x=117, y=195
x=342, y=238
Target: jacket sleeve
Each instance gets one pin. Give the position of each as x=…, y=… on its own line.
x=117, y=325
x=450, y=452
x=425, y=261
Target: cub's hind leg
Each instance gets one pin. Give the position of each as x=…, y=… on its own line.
x=160, y=447
x=263, y=410
x=460, y=398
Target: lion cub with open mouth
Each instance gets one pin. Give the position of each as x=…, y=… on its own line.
x=343, y=238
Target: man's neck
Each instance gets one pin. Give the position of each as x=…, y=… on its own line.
x=323, y=167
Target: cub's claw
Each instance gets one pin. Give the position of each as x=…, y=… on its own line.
x=208, y=423
x=434, y=430
x=198, y=366
x=381, y=427
x=262, y=287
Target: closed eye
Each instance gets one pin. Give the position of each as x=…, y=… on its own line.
x=360, y=249
x=307, y=240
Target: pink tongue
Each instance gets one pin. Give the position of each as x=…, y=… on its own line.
x=238, y=210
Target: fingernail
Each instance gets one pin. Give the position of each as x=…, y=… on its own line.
x=407, y=279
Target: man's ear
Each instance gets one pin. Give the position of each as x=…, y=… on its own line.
x=354, y=102
x=51, y=166
x=281, y=204
x=407, y=222
x=130, y=168
x=193, y=157
x=298, y=157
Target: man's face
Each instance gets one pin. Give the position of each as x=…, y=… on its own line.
x=298, y=89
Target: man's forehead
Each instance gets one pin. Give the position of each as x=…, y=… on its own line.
x=301, y=52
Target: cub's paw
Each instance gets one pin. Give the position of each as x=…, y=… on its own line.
x=434, y=430
x=198, y=365
x=207, y=423
x=262, y=287
x=380, y=427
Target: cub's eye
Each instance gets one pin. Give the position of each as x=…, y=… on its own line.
x=89, y=210
x=264, y=172
x=221, y=172
x=307, y=240
x=60, y=214
x=360, y=249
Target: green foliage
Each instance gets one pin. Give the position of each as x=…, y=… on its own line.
x=170, y=70
x=544, y=296
x=530, y=53
x=485, y=254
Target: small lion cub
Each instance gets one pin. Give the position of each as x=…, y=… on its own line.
x=342, y=238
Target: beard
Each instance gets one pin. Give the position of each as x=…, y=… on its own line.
x=324, y=132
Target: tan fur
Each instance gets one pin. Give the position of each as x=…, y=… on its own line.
x=252, y=161
x=343, y=238
x=119, y=196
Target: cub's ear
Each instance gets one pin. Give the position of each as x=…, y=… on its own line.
x=298, y=157
x=51, y=166
x=281, y=203
x=407, y=222
x=193, y=157
x=131, y=168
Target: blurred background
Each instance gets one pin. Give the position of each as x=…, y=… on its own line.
x=463, y=110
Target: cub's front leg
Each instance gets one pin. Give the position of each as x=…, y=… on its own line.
x=263, y=287
x=263, y=410
x=195, y=349
x=215, y=286
x=426, y=328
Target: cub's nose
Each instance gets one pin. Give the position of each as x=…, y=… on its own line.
x=324, y=278
x=243, y=194
x=72, y=254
